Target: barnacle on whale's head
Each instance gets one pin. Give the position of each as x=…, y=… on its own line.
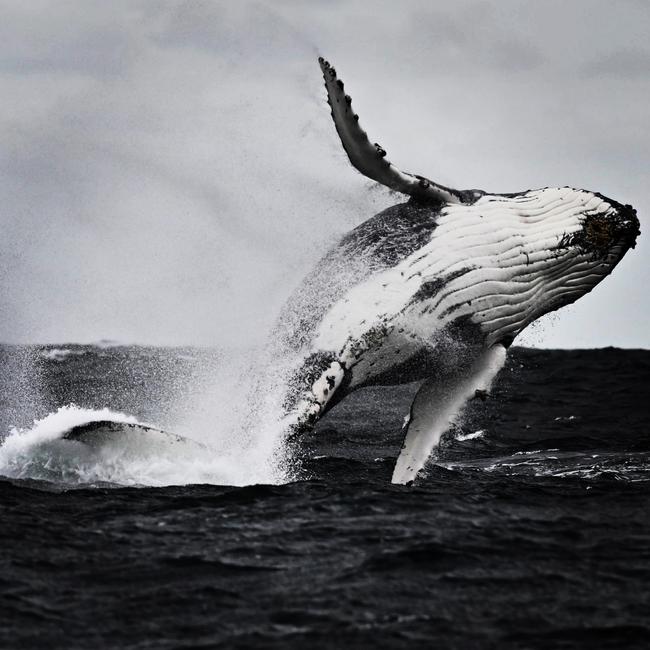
x=607, y=232
x=618, y=227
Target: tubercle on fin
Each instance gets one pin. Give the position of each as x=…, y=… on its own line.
x=370, y=159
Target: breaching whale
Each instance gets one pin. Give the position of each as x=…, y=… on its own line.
x=433, y=289
x=436, y=288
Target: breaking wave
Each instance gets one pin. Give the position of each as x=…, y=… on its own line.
x=137, y=456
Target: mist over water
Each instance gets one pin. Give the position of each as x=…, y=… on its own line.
x=236, y=411
x=20, y=387
x=161, y=198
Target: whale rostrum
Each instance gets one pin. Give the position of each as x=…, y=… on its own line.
x=436, y=288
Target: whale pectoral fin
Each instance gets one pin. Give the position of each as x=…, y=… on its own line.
x=435, y=406
x=370, y=159
x=325, y=377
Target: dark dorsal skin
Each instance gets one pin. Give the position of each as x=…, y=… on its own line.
x=378, y=243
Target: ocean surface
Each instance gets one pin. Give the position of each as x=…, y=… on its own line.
x=530, y=530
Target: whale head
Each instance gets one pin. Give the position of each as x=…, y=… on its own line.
x=495, y=262
x=531, y=253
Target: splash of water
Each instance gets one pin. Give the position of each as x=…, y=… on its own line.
x=230, y=427
x=138, y=456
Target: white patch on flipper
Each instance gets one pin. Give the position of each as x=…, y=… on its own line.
x=328, y=382
x=436, y=405
x=311, y=406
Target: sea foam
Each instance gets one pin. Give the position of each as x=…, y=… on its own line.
x=136, y=457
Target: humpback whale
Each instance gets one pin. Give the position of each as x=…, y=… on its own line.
x=433, y=289
x=436, y=288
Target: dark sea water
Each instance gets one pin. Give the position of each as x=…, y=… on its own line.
x=531, y=531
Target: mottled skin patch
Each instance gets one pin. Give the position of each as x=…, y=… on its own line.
x=303, y=379
x=431, y=288
x=373, y=338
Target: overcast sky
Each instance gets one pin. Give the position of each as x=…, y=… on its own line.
x=169, y=170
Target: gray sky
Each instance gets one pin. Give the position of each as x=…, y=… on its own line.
x=169, y=170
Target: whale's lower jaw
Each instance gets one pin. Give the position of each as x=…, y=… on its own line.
x=476, y=309
x=500, y=282
x=550, y=290
x=500, y=263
